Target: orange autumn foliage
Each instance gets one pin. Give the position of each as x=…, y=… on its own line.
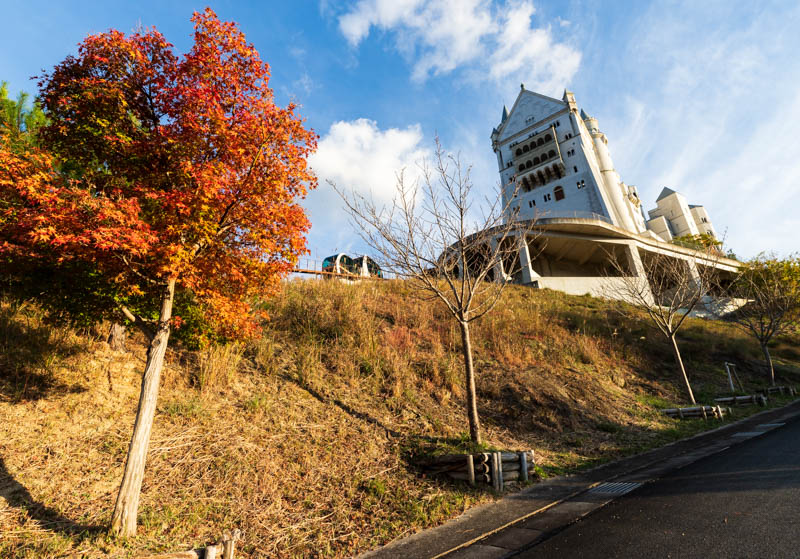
x=157, y=166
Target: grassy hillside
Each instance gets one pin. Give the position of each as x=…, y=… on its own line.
x=306, y=439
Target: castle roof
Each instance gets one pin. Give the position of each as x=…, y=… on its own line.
x=664, y=193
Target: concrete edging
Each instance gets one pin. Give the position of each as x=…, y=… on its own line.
x=483, y=521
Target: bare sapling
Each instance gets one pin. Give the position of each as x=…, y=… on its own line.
x=431, y=238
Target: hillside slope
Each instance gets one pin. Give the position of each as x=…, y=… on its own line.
x=306, y=439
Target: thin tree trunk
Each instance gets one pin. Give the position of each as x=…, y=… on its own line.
x=123, y=521
x=472, y=404
x=682, y=368
x=768, y=357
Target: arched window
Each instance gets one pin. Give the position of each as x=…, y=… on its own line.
x=519, y=151
x=535, y=160
x=543, y=157
x=551, y=153
x=559, y=193
x=539, y=142
x=529, y=164
x=547, y=137
x=522, y=167
x=525, y=148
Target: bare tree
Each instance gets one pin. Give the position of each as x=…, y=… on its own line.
x=771, y=289
x=668, y=287
x=429, y=238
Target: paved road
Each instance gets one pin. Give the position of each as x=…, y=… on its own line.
x=741, y=502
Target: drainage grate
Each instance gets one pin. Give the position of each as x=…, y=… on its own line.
x=619, y=488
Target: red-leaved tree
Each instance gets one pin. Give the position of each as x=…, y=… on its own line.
x=162, y=172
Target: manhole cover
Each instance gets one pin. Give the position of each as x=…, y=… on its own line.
x=619, y=488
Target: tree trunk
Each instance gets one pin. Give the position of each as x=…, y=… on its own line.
x=768, y=357
x=472, y=404
x=123, y=521
x=682, y=368
x=116, y=337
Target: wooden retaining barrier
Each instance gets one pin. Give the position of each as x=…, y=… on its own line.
x=779, y=390
x=750, y=399
x=491, y=468
x=222, y=550
x=715, y=412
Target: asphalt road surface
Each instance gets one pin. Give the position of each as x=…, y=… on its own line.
x=741, y=502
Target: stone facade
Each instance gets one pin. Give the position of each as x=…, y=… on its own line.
x=557, y=159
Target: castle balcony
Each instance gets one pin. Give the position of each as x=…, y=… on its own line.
x=541, y=175
x=534, y=144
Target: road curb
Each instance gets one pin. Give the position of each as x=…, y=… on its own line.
x=484, y=521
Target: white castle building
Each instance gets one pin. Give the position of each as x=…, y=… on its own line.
x=556, y=169
x=560, y=161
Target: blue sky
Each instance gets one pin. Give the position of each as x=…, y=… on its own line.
x=702, y=97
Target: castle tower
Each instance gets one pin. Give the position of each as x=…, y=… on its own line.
x=560, y=159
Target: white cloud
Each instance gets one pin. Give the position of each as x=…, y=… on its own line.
x=359, y=156
x=524, y=50
x=441, y=36
x=711, y=112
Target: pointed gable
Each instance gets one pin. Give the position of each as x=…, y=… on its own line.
x=664, y=193
x=528, y=109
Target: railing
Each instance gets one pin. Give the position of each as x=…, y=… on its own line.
x=310, y=266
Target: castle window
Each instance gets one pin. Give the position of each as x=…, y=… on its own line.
x=547, y=137
x=529, y=164
x=540, y=141
x=581, y=184
x=575, y=168
x=535, y=160
x=559, y=193
x=522, y=167
x=546, y=197
x=525, y=148
x=551, y=153
x=519, y=151
x=558, y=124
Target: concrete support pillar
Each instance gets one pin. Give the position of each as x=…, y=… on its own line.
x=694, y=273
x=638, y=271
x=635, y=261
x=528, y=273
x=499, y=274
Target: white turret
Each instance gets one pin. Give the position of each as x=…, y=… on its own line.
x=611, y=178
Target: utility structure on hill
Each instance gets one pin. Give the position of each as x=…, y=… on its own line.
x=556, y=170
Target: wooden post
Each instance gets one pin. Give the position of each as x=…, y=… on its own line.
x=730, y=378
x=471, y=470
x=493, y=470
x=523, y=466
x=229, y=543
x=499, y=470
x=733, y=368
x=211, y=552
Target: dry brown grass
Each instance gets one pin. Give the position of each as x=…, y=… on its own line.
x=306, y=438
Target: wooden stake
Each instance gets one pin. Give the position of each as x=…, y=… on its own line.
x=470, y=470
x=523, y=466
x=499, y=471
x=229, y=543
